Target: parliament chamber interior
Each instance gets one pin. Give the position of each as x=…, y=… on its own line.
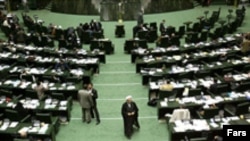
x=185, y=63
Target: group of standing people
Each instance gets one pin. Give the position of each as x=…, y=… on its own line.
x=88, y=102
x=87, y=99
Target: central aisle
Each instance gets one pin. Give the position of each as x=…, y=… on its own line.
x=116, y=80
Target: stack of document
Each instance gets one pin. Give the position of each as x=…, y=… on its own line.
x=43, y=129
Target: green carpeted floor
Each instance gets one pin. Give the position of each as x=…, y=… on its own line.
x=117, y=79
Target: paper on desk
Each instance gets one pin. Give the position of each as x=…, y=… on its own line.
x=43, y=129
x=49, y=106
x=63, y=103
x=71, y=87
x=23, y=130
x=164, y=104
x=51, y=84
x=4, y=127
x=10, y=104
x=179, y=129
x=33, y=129
x=234, y=118
x=214, y=125
x=53, y=88
x=62, y=108
x=153, y=85
x=248, y=120
x=13, y=124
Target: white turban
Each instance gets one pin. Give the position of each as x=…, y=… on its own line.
x=128, y=97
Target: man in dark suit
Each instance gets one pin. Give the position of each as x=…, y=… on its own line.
x=62, y=65
x=86, y=102
x=163, y=27
x=129, y=113
x=213, y=87
x=140, y=19
x=94, y=110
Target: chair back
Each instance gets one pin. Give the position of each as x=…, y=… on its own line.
x=31, y=94
x=58, y=96
x=119, y=31
x=243, y=87
x=222, y=88
x=12, y=115
x=6, y=93
x=210, y=112
x=181, y=31
x=153, y=25
x=44, y=117
x=165, y=94
x=194, y=92
x=16, y=139
x=242, y=108
x=202, y=73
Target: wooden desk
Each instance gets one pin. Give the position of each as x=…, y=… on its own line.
x=213, y=127
x=12, y=132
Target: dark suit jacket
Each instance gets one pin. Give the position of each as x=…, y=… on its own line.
x=94, y=96
x=162, y=28
x=213, y=88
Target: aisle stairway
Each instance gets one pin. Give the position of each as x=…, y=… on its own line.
x=116, y=80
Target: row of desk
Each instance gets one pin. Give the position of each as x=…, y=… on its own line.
x=167, y=106
x=200, y=50
x=10, y=130
x=59, y=108
x=208, y=128
x=39, y=63
x=32, y=128
x=238, y=81
x=177, y=72
x=17, y=87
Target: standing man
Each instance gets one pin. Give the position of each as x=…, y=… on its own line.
x=129, y=113
x=86, y=102
x=140, y=19
x=163, y=27
x=94, y=110
x=25, y=5
x=40, y=89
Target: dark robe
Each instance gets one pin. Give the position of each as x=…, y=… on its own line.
x=131, y=120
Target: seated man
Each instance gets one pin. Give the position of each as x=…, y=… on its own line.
x=180, y=114
x=167, y=86
x=40, y=89
x=245, y=45
x=62, y=65
x=213, y=87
